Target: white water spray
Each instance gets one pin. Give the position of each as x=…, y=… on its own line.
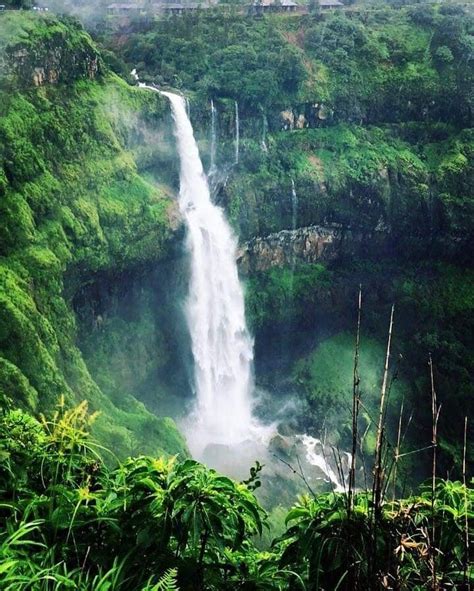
x=315, y=456
x=221, y=344
x=237, y=133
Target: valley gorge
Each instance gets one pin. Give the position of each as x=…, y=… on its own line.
x=184, y=249
x=330, y=227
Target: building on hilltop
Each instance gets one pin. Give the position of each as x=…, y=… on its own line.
x=330, y=4
x=179, y=6
x=123, y=9
x=259, y=7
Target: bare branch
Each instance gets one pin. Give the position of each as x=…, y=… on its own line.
x=355, y=407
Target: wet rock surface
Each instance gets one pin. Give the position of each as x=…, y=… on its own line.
x=310, y=244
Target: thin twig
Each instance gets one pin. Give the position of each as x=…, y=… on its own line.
x=300, y=474
x=466, y=518
x=378, y=469
x=415, y=451
x=396, y=455
x=323, y=452
x=434, y=442
x=355, y=406
x=338, y=462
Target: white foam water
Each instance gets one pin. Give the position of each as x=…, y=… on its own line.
x=221, y=344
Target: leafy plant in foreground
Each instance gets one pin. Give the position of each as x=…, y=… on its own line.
x=69, y=521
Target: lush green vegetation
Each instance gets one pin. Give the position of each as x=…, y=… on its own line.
x=326, y=376
x=44, y=49
x=409, y=181
x=73, y=206
x=229, y=56
x=69, y=522
x=315, y=302
x=372, y=65
x=87, y=296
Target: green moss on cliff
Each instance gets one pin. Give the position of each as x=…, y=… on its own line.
x=73, y=204
x=283, y=296
x=411, y=181
x=38, y=47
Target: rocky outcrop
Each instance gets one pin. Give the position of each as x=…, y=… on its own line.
x=53, y=65
x=310, y=244
x=301, y=117
x=52, y=54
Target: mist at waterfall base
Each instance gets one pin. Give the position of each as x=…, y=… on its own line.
x=222, y=429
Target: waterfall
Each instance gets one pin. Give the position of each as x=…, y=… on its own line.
x=212, y=167
x=294, y=205
x=237, y=133
x=221, y=344
x=264, y=132
x=294, y=221
x=319, y=459
x=221, y=429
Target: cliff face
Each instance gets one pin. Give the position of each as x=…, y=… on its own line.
x=307, y=245
x=39, y=49
x=78, y=221
x=409, y=182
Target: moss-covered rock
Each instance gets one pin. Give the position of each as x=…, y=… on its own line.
x=38, y=49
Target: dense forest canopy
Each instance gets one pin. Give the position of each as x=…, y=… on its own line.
x=375, y=66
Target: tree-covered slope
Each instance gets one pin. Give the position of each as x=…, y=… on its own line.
x=73, y=205
x=371, y=64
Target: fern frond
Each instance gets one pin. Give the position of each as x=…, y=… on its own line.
x=167, y=582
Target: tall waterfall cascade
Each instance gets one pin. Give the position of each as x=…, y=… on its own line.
x=221, y=344
x=221, y=429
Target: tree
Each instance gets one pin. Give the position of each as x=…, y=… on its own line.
x=443, y=56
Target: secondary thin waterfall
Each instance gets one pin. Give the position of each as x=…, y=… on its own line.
x=221, y=344
x=294, y=205
x=237, y=132
x=264, y=132
x=294, y=221
x=212, y=167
